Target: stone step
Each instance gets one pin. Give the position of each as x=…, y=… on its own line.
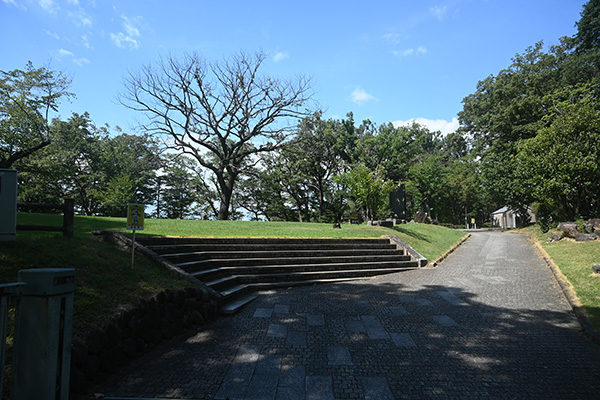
x=279, y=254
x=286, y=283
x=233, y=292
x=193, y=266
x=223, y=282
x=154, y=241
x=222, y=248
x=209, y=274
x=315, y=275
x=233, y=306
x=290, y=268
x=235, y=267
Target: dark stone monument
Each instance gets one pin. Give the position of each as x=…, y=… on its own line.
x=398, y=203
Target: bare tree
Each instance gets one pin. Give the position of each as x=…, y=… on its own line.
x=224, y=114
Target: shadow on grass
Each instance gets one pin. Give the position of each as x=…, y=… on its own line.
x=412, y=233
x=83, y=225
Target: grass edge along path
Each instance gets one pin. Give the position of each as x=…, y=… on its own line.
x=571, y=263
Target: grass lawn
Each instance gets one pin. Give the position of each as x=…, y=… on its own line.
x=105, y=280
x=430, y=240
x=575, y=260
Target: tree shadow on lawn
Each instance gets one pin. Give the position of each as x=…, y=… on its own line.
x=436, y=341
x=412, y=233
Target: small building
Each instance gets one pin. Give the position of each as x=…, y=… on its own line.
x=506, y=217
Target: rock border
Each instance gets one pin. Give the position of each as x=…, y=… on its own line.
x=136, y=331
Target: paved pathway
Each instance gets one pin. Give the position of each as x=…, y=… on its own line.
x=490, y=322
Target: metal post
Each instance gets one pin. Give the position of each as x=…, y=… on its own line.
x=132, y=248
x=43, y=329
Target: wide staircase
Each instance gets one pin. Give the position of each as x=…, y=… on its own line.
x=236, y=267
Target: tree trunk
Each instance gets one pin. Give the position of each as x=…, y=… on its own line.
x=226, y=186
x=224, y=205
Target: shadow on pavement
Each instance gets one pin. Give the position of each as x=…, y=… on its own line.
x=412, y=341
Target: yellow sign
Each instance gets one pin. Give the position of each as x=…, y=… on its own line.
x=135, y=217
x=472, y=220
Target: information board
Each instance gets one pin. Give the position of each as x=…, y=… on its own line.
x=135, y=217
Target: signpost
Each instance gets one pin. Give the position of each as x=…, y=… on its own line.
x=135, y=222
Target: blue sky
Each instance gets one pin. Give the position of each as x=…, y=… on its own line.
x=387, y=61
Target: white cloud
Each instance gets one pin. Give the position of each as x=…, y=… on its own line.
x=81, y=61
x=129, y=38
x=439, y=12
x=63, y=53
x=360, y=96
x=421, y=50
x=392, y=38
x=433, y=125
x=130, y=27
x=52, y=34
x=123, y=41
x=15, y=4
x=49, y=5
x=280, y=56
x=86, y=42
x=80, y=18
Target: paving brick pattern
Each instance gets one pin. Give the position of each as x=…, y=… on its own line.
x=490, y=322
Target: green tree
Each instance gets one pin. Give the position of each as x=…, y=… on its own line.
x=135, y=157
x=588, y=27
x=429, y=175
x=178, y=195
x=369, y=190
x=506, y=109
x=561, y=162
x=68, y=167
x=100, y=171
x=27, y=99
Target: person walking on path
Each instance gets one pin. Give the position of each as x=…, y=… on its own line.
x=489, y=322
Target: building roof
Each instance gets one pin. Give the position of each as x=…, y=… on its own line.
x=502, y=210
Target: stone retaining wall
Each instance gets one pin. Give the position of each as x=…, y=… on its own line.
x=134, y=332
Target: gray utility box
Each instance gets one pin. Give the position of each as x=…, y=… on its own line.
x=43, y=331
x=8, y=204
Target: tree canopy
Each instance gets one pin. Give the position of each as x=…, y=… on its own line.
x=222, y=114
x=27, y=98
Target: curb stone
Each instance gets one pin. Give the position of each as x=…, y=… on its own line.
x=446, y=254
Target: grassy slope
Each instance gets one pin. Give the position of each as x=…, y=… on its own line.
x=105, y=280
x=575, y=260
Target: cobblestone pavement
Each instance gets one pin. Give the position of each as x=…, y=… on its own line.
x=490, y=322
